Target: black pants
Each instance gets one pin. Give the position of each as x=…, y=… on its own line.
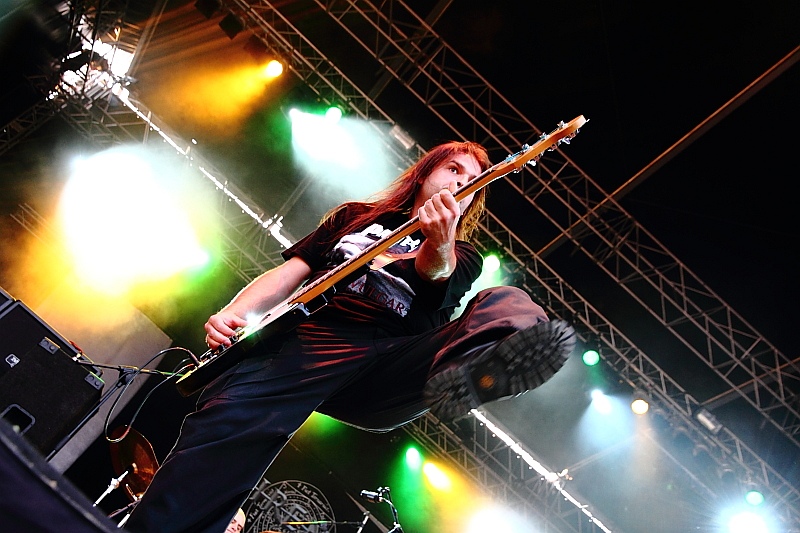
x=361, y=376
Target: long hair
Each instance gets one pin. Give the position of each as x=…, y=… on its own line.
x=399, y=196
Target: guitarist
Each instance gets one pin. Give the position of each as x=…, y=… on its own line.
x=382, y=352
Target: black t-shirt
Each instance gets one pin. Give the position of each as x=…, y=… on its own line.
x=393, y=297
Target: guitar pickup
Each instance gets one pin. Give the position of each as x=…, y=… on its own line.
x=317, y=303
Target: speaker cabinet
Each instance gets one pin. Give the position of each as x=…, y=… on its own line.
x=5, y=299
x=44, y=391
x=35, y=497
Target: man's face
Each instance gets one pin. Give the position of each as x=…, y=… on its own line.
x=237, y=524
x=457, y=170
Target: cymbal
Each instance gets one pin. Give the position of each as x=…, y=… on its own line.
x=135, y=455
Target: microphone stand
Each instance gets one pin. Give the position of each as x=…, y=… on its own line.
x=326, y=523
x=382, y=495
x=397, y=527
x=363, y=522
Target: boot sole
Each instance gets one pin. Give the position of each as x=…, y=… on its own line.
x=517, y=364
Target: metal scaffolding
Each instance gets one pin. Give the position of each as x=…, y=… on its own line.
x=578, y=210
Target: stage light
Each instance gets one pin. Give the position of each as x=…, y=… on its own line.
x=347, y=158
x=703, y=453
x=747, y=522
x=302, y=113
x=256, y=48
x=754, y=497
x=591, y=351
x=207, y=7
x=590, y=357
x=706, y=462
x=600, y=402
x=102, y=203
x=273, y=69
x=334, y=114
x=273, y=65
x=496, y=520
x=401, y=136
x=413, y=458
x=708, y=420
x=491, y=263
x=231, y=25
x=640, y=403
x=322, y=139
x=436, y=477
x=682, y=438
x=728, y=478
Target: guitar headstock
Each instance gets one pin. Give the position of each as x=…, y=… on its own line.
x=530, y=154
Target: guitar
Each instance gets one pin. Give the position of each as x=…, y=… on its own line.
x=316, y=294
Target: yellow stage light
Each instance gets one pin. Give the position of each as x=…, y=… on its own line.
x=639, y=405
x=273, y=68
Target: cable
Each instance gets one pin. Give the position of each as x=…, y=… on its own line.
x=183, y=365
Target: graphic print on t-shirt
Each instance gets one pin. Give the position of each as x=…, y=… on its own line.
x=378, y=285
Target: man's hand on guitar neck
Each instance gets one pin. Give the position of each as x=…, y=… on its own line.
x=439, y=213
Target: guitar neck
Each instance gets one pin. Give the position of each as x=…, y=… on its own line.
x=291, y=311
x=345, y=269
x=511, y=164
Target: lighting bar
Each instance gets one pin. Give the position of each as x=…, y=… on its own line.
x=273, y=224
x=551, y=477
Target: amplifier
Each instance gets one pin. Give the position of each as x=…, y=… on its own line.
x=45, y=391
x=5, y=299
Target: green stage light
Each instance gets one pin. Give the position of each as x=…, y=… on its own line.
x=591, y=357
x=754, y=497
x=334, y=114
x=491, y=263
x=413, y=458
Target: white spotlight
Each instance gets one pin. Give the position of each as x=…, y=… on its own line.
x=708, y=420
x=601, y=402
x=747, y=522
x=639, y=405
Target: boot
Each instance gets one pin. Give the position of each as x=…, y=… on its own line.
x=507, y=368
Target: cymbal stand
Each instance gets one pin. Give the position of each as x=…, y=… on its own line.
x=128, y=508
x=111, y=487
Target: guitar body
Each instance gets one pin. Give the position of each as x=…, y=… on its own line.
x=314, y=295
x=214, y=363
